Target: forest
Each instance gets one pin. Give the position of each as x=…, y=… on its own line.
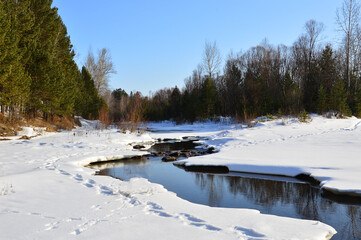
x=40, y=78
x=308, y=76
x=38, y=74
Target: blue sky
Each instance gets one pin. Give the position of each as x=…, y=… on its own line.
x=157, y=43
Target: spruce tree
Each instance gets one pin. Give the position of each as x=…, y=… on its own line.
x=339, y=98
x=322, y=100
x=88, y=102
x=208, y=98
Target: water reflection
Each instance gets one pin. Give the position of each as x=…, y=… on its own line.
x=284, y=198
x=270, y=195
x=174, y=146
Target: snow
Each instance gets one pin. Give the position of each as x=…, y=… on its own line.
x=326, y=149
x=47, y=193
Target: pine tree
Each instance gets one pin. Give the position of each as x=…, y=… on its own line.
x=328, y=70
x=339, y=98
x=51, y=66
x=322, y=100
x=88, y=103
x=175, y=104
x=14, y=79
x=4, y=48
x=208, y=96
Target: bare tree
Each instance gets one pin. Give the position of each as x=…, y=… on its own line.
x=211, y=58
x=100, y=70
x=195, y=81
x=347, y=19
x=313, y=32
x=357, y=56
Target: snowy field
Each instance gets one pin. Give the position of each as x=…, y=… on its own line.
x=47, y=193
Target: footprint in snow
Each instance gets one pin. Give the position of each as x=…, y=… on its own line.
x=51, y=226
x=248, y=232
x=105, y=190
x=64, y=172
x=160, y=213
x=78, y=177
x=196, y=222
x=89, y=183
x=191, y=218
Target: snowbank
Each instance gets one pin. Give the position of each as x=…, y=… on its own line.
x=326, y=149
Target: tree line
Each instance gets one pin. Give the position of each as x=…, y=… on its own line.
x=265, y=79
x=38, y=74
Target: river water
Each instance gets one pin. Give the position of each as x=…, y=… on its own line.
x=270, y=195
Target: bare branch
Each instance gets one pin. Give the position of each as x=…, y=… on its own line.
x=100, y=70
x=211, y=58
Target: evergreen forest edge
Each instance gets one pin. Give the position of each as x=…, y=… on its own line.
x=39, y=77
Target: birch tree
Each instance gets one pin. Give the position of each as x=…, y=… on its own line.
x=211, y=59
x=100, y=70
x=347, y=19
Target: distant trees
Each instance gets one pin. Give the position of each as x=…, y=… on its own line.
x=263, y=80
x=38, y=74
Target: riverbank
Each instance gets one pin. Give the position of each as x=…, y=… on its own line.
x=46, y=190
x=327, y=150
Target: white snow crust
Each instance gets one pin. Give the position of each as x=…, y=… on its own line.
x=328, y=150
x=47, y=193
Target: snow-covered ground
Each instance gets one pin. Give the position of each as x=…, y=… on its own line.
x=47, y=193
x=329, y=150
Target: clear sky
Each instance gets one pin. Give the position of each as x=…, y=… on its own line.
x=157, y=43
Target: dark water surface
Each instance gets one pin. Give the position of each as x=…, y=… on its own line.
x=271, y=195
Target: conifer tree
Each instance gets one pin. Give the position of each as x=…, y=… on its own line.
x=88, y=102
x=175, y=104
x=322, y=100
x=339, y=98
x=328, y=70
x=208, y=96
x=14, y=80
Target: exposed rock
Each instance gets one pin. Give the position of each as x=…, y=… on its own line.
x=24, y=138
x=168, y=139
x=138, y=147
x=169, y=159
x=186, y=154
x=211, y=150
x=204, y=168
x=157, y=154
x=175, y=154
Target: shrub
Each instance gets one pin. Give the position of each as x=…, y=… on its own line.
x=304, y=116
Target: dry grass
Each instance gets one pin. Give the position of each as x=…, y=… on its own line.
x=10, y=128
x=104, y=118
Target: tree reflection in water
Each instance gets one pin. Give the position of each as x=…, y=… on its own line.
x=270, y=196
x=286, y=197
x=213, y=185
